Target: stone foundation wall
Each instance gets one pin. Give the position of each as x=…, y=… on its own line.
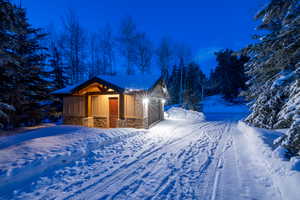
x=73, y=120
x=132, y=123
x=100, y=122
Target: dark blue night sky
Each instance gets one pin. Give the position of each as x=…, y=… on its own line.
x=204, y=25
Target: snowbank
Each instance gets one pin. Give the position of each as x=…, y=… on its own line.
x=182, y=114
x=285, y=174
x=33, y=152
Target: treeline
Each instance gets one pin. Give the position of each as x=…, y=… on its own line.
x=34, y=62
x=186, y=85
x=228, y=78
x=79, y=54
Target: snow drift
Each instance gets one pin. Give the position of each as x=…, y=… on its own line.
x=182, y=114
x=33, y=152
x=285, y=174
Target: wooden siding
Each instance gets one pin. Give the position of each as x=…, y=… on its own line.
x=154, y=111
x=100, y=107
x=74, y=106
x=133, y=106
x=129, y=106
x=158, y=91
x=95, y=87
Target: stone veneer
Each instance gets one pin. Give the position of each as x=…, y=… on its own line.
x=132, y=123
x=100, y=122
x=73, y=120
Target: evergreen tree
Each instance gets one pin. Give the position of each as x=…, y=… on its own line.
x=8, y=25
x=185, y=85
x=58, y=78
x=229, y=77
x=173, y=85
x=23, y=84
x=274, y=71
x=194, y=83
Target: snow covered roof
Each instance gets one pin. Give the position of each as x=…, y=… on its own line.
x=119, y=82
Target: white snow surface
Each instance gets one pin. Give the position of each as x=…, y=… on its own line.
x=177, y=113
x=218, y=105
x=190, y=158
x=286, y=175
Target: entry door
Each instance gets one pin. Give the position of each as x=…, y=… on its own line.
x=113, y=112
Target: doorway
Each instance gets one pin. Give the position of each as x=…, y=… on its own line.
x=113, y=112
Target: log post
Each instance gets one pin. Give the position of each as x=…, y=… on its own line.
x=122, y=107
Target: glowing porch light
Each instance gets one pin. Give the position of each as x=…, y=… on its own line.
x=163, y=101
x=145, y=101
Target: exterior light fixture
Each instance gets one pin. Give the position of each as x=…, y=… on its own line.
x=145, y=101
x=163, y=101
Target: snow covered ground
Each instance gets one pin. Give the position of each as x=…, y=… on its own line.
x=183, y=157
x=216, y=108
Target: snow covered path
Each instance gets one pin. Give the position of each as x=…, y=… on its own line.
x=176, y=159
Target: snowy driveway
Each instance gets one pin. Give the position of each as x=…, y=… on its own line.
x=176, y=159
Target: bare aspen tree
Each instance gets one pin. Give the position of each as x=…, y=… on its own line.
x=93, y=55
x=165, y=56
x=107, y=50
x=144, y=53
x=127, y=39
x=184, y=55
x=74, y=46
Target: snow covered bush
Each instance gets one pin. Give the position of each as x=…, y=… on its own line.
x=182, y=114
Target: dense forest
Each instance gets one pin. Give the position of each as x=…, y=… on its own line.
x=34, y=62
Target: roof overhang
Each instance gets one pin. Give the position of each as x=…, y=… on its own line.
x=116, y=88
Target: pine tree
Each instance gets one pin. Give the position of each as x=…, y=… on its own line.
x=274, y=70
x=194, y=83
x=59, y=80
x=8, y=25
x=174, y=85
x=228, y=78
x=23, y=83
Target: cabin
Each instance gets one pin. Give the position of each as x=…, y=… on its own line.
x=106, y=101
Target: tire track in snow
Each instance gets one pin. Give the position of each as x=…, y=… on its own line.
x=190, y=184
x=143, y=155
x=128, y=174
x=173, y=142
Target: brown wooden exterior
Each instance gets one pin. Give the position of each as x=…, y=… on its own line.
x=100, y=104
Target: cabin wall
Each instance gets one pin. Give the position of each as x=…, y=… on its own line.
x=133, y=112
x=93, y=110
x=133, y=106
x=155, y=110
x=100, y=105
x=74, y=106
x=100, y=110
x=74, y=110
